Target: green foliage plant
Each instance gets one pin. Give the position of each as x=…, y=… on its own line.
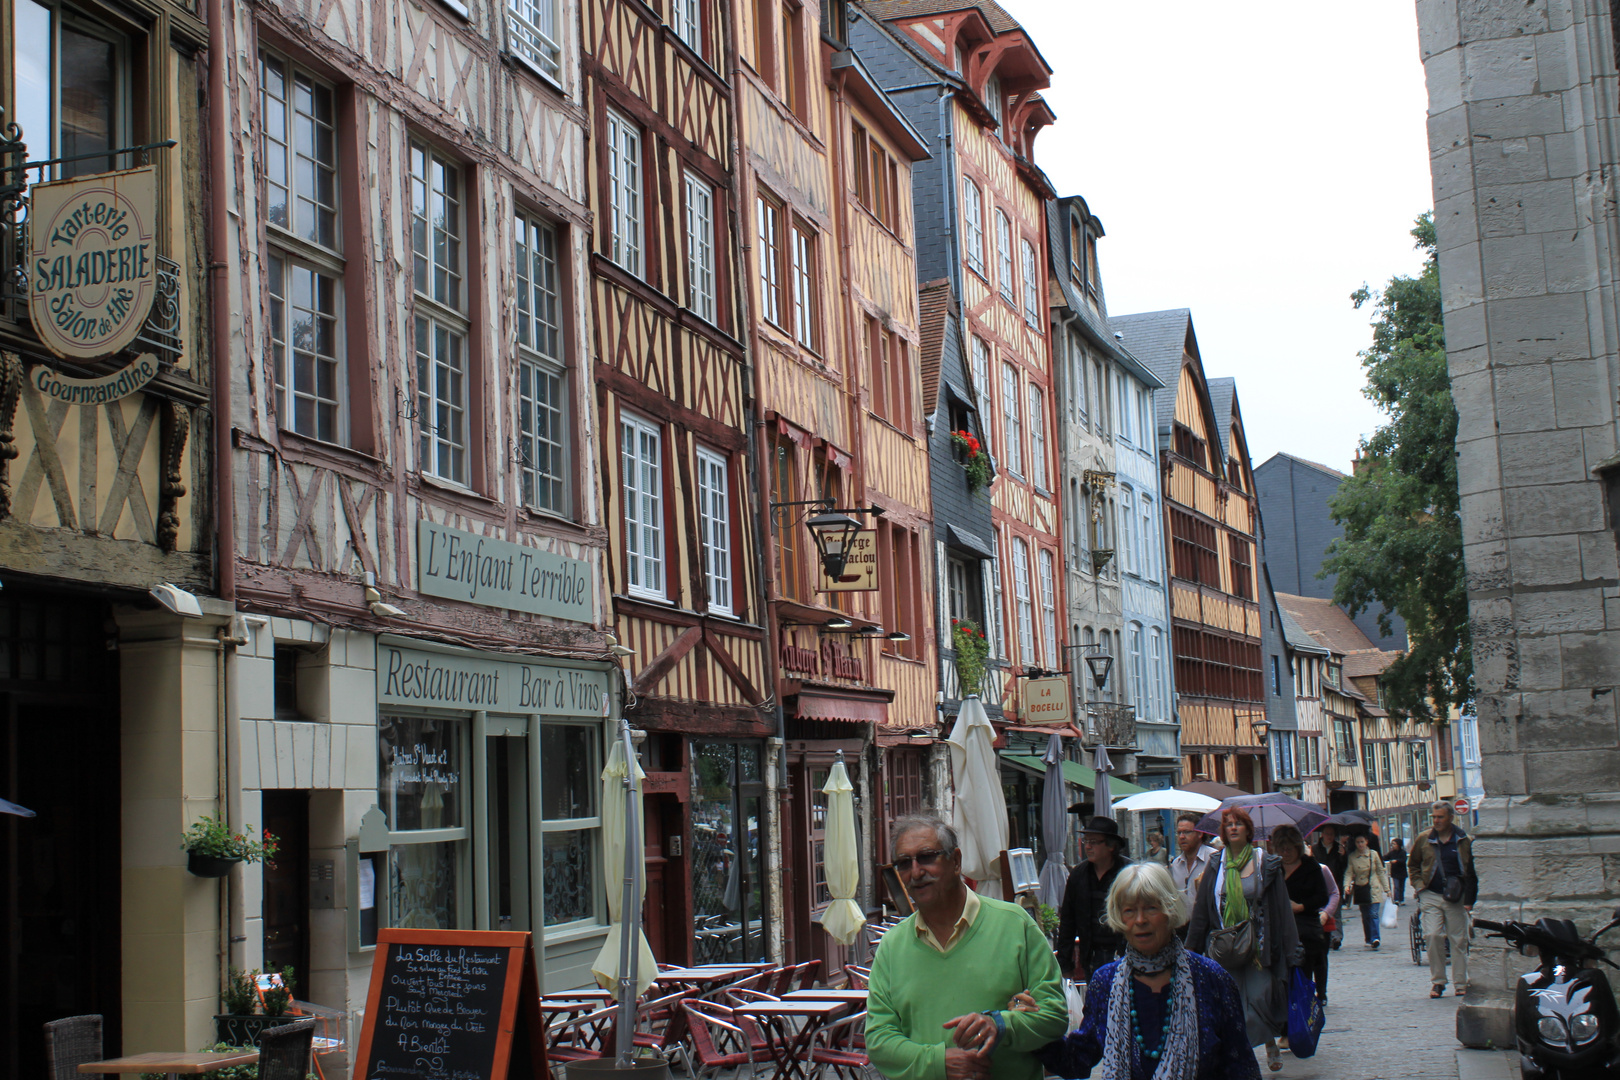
x=975, y=462
x=1048, y=918
x=241, y=996
x=278, y=999
x=972, y=650
x=213, y=838
x=1402, y=543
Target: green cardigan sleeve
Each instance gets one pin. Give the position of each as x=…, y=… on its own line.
x=1029, y=1031
x=890, y=1051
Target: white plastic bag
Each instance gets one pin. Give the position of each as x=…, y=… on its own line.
x=1387, y=919
x=1075, y=992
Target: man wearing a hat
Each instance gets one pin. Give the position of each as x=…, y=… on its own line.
x=1085, y=940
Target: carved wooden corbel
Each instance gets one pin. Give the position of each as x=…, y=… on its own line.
x=176, y=427
x=11, y=378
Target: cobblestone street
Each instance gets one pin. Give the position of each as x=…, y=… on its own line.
x=1382, y=1025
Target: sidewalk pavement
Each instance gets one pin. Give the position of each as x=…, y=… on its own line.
x=1382, y=1024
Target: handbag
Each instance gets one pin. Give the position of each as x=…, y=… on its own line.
x=1232, y=947
x=1362, y=894
x=1453, y=890
x=1304, y=1015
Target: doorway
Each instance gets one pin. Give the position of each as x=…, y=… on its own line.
x=727, y=866
x=286, y=888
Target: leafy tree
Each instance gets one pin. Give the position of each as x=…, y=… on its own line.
x=1402, y=543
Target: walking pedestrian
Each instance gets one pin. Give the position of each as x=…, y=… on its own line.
x=1308, y=897
x=1441, y=869
x=1162, y=1010
x=1366, y=882
x=1395, y=860
x=1157, y=850
x=1246, y=890
x=1192, y=859
x=1085, y=940
x=941, y=981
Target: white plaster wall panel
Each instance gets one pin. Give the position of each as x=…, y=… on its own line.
x=282, y=737
x=361, y=767
x=247, y=754
x=269, y=772
x=251, y=684
x=321, y=756
x=353, y=696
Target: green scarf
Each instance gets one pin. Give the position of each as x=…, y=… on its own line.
x=1237, y=908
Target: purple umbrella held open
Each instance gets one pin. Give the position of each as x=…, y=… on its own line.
x=1268, y=811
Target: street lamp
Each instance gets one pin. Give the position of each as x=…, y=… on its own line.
x=1261, y=729
x=834, y=535
x=1099, y=665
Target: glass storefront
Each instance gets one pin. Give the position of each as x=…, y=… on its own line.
x=727, y=865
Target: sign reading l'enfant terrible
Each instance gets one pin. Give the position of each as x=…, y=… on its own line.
x=92, y=261
x=459, y=565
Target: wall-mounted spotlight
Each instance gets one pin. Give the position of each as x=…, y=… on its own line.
x=177, y=600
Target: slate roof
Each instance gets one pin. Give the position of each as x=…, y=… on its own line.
x=1158, y=339
x=994, y=14
x=933, y=311
x=1295, y=634
x=1094, y=326
x=1317, y=465
x=1221, y=393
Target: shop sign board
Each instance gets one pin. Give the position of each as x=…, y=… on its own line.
x=1047, y=701
x=92, y=261
x=482, y=681
x=458, y=565
x=860, y=569
x=121, y=383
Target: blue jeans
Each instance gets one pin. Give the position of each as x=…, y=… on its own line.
x=1369, y=921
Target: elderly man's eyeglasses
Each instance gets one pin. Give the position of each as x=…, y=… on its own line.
x=924, y=859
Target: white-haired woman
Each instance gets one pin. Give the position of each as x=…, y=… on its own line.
x=1160, y=1012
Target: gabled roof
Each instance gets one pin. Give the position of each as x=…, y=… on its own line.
x=1221, y=393
x=1327, y=623
x=1295, y=635
x=1318, y=466
x=933, y=312
x=1095, y=327
x=993, y=13
x=1159, y=339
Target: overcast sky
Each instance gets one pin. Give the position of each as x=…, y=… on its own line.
x=1255, y=163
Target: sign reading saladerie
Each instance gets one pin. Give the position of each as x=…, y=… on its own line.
x=459, y=681
x=92, y=261
x=459, y=565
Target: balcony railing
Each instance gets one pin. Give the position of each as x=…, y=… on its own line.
x=951, y=682
x=1111, y=724
x=1345, y=757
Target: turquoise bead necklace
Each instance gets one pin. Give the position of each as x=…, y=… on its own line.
x=1164, y=1036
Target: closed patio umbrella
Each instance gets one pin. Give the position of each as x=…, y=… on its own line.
x=980, y=814
x=1101, y=796
x=1054, y=824
x=842, y=919
x=621, y=845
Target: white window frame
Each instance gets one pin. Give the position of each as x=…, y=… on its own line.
x=1004, y=262
x=979, y=357
x=714, y=523
x=532, y=34
x=1134, y=643
x=1037, y=436
x=1032, y=285
x=303, y=404
x=1024, y=602
x=544, y=437
x=1012, y=424
x=998, y=595
x=1127, y=531
x=686, y=19
x=1144, y=419
x=591, y=825
x=973, y=225
x=1078, y=367
x=440, y=330
x=768, y=221
x=1156, y=663
x=1149, y=562
x=624, y=192
x=1048, y=582
x=806, y=274
x=641, y=477
x=700, y=245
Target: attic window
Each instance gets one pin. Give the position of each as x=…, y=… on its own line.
x=994, y=101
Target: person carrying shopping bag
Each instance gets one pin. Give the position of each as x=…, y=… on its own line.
x=1367, y=883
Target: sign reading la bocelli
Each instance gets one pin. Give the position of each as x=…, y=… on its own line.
x=92, y=261
x=459, y=565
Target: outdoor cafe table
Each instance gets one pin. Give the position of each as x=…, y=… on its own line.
x=790, y=1048
x=706, y=976
x=176, y=1064
x=848, y=997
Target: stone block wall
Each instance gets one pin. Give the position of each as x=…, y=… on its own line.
x=1522, y=115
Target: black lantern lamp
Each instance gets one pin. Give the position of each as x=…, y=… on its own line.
x=1100, y=664
x=834, y=534
x=1261, y=729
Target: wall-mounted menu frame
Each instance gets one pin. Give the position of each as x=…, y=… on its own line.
x=452, y=1003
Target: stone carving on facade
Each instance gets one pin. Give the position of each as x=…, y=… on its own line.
x=176, y=427
x=11, y=377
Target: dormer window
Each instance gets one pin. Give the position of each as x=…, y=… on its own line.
x=995, y=101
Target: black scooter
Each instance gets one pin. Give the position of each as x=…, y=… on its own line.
x=1564, y=1013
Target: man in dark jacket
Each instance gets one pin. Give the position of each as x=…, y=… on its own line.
x=1441, y=869
x=1085, y=940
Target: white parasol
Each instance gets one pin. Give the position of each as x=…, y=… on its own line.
x=1167, y=799
x=980, y=814
x=842, y=919
x=624, y=871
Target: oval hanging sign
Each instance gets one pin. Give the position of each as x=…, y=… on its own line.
x=92, y=261
x=121, y=383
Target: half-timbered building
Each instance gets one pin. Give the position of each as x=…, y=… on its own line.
x=673, y=399
x=110, y=719
x=1211, y=531
x=825, y=179
x=421, y=687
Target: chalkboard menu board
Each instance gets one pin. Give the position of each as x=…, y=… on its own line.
x=452, y=1005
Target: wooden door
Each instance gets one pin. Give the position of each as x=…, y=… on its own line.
x=286, y=888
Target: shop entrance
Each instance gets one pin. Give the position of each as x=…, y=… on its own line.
x=727, y=867
x=59, y=871
x=287, y=888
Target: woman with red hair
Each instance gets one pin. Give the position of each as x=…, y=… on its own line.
x=1243, y=920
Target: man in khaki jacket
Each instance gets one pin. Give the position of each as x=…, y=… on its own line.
x=1441, y=870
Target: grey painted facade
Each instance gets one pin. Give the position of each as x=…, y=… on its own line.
x=1522, y=127
x=1294, y=496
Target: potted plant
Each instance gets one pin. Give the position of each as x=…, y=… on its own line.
x=974, y=461
x=212, y=848
x=278, y=996
x=241, y=1022
x=972, y=650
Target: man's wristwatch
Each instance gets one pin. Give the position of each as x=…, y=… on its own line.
x=1001, y=1022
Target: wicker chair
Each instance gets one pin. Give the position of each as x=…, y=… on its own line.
x=69, y=1043
x=285, y=1051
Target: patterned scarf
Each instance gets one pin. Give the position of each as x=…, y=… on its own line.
x=1236, y=908
x=1178, y=1055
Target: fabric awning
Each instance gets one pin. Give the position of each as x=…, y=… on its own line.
x=847, y=709
x=1075, y=773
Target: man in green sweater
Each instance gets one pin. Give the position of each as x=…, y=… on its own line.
x=942, y=980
